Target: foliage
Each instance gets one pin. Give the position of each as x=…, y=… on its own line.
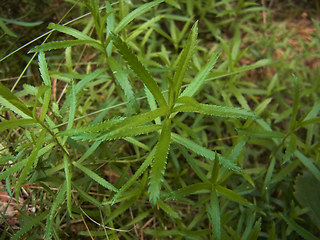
x=153, y=126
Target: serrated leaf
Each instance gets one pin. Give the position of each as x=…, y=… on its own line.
x=254, y=234
x=291, y=147
x=309, y=163
x=167, y=209
x=159, y=162
x=29, y=225
x=68, y=181
x=139, y=69
x=204, y=151
x=72, y=105
x=129, y=132
x=95, y=177
x=198, y=81
x=214, y=110
x=12, y=169
x=213, y=211
x=184, y=59
x=136, y=13
x=188, y=190
x=297, y=228
x=193, y=164
x=14, y=123
x=30, y=160
x=70, y=31
x=232, y=195
x=57, y=201
x=259, y=133
x=124, y=83
x=137, y=174
x=13, y=103
x=43, y=67
x=86, y=196
x=64, y=44
x=116, y=123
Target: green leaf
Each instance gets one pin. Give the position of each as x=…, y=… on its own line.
x=139, y=69
x=254, y=234
x=188, y=190
x=204, y=151
x=213, y=211
x=21, y=23
x=129, y=132
x=213, y=110
x=307, y=193
x=86, y=196
x=124, y=83
x=70, y=31
x=159, y=163
x=95, y=177
x=4, y=28
x=193, y=164
x=10, y=101
x=291, y=147
x=232, y=195
x=136, y=13
x=297, y=228
x=133, y=179
x=68, y=181
x=12, y=169
x=43, y=67
x=46, y=102
x=183, y=61
x=309, y=163
x=57, y=201
x=64, y=44
x=198, y=81
x=14, y=123
x=88, y=77
x=259, y=133
x=72, y=106
x=30, y=160
x=167, y=209
x=33, y=221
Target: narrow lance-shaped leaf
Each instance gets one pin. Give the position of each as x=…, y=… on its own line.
x=9, y=100
x=70, y=31
x=57, y=201
x=305, y=234
x=64, y=44
x=232, y=195
x=31, y=159
x=198, y=81
x=184, y=59
x=13, y=123
x=68, y=181
x=124, y=83
x=214, y=214
x=188, y=190
x=204, y=151
x=213, y=110
x=137, y=174
x=117, y=123
x=95, y=177
x=139, y=69
x=30, y=224
x=159, y=162
x=43, y=67
x=136, y=13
